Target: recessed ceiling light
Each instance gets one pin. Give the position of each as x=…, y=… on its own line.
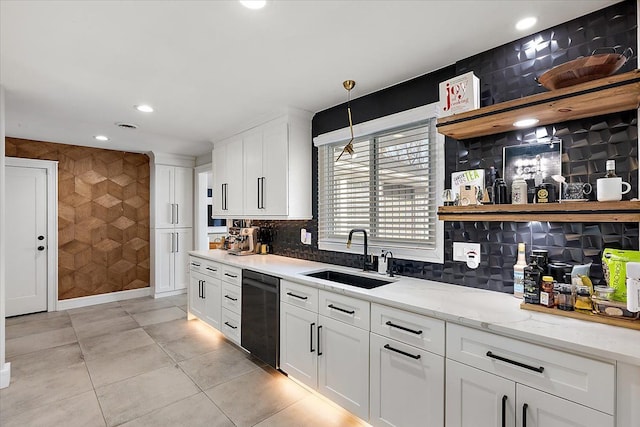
x=101, y=138
x=144, y=108
x=253, y=4
x=525, y=123
x=526, y=23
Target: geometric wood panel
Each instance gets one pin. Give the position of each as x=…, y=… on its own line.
x=103, y=216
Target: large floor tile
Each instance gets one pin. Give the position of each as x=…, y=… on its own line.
x=140, y=305
x=41, y=362
x=9, y=321
x=93, y=329
x=129, y=399
x=119, y=366
x=41, y=341
x=114, y=342
x=96, y=308
x=97, y=315
x=194, y=345
x=176, y=329
x=312, y=411
x=194, y=411
x=255, y=396
x=218, y=366
x=37, y=326
x=161, y=315
x=78, y=411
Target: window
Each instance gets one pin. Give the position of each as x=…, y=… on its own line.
x=391, y=187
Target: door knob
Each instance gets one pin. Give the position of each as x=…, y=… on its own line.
x=40, y=237
x=41, y=248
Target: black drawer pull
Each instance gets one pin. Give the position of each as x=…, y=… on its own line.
x=319, y=350
x=230, y=275
x=513, y=362
x=195, y=264
x=524, y=415
x=296, y=296
x=504, y=410
x=231, y=326
x=341, y=309
x=212, y=269
x=311, y=349
x=404, y=353
x=413, y=331
x=231, y=298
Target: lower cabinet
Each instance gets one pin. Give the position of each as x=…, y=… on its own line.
x=407, y=385
x=196, y=302
x=171, y=272
x=299, y=344
x=204, y=298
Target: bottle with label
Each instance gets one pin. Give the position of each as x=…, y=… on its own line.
x=518, y=272
x=519, y=191
x=532, y=279
x=611, y=169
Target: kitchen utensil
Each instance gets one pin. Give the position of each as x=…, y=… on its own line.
x=584, y=69
x=610, y=189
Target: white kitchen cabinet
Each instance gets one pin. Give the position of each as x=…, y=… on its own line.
x=212, y=302
x=298, y=344
x=265, y=172
x=227, y=178
x=171, y=272
x=173, y=192
x=196, y=302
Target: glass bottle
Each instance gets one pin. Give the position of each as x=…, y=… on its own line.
x=532, y=280
x=518, y=272
x=611, y=169
x=546, y=292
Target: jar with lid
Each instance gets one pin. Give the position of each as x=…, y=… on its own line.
x=519, y=191
x=565, y=298
x=583, y=300
x=546, y=292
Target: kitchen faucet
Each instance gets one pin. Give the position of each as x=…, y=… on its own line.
x=366, y=265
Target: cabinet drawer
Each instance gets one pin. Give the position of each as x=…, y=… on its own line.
x=410, y=328
x=299, y=295
x=579, y=379
x=231, y=297
x=349, y=310
x=231, y=275
x=211, y=269
x=230, y=325
x=196, y=264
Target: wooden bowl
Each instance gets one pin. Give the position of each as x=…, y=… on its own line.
x=584, y=69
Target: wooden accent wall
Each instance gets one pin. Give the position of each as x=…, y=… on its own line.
x=103, y=216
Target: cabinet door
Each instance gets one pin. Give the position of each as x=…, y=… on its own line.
x=275, y=160
x=219, y=180
x=545, y=410
x=184, y=243
x=196, y=303
x=343, y=365
x=252, y=164
x=477, y=398
x=212, y=303
x=183, y=196
x=298, y=344
x=164, y=196
x=407, y=385
x=234, y=178
x=165, y=241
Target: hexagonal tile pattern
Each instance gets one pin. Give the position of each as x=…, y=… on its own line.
x=103, y=216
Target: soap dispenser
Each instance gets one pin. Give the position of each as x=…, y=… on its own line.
x=382, y=262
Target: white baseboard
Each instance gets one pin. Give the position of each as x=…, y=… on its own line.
x=170, y=293
x=5, y=375
x=67, y=304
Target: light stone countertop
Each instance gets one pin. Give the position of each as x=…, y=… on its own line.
x=478, y=308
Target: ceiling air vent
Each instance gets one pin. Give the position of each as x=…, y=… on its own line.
x=126, y=125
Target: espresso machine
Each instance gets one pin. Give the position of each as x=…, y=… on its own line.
x=244, y=241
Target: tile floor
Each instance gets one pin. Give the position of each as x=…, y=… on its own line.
x=142, y=363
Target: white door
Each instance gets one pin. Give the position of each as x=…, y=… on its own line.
x=165, y=243
x=184, y=244
x=165, y=195
x=252, y=165
x=545, y=410
x=183, y=196
x=276, y=170
x=196, y=303
x=212, y=303
x=298, y=344
x=407, y=385
x=343, y=365
x=477, y=398
x=26, y=240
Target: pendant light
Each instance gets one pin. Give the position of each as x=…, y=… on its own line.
x=348, y=85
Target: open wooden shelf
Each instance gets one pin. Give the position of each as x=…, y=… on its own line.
x=625, y=211
x=590, y=317
x=603, y=96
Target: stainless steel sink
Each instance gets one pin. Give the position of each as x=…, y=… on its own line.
x=348, y=279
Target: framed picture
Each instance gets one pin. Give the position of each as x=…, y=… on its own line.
x=543, y=158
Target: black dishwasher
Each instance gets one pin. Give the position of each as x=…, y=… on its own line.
x=260, y=331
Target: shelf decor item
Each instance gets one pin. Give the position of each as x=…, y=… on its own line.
x=459, y=94
x=532, y=162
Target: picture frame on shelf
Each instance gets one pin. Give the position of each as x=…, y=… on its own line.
x=522, y=160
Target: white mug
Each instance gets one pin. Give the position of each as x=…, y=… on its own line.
x=610, y=189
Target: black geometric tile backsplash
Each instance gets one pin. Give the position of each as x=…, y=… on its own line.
x=508, y=72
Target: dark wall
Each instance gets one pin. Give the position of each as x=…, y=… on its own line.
x=506, y=72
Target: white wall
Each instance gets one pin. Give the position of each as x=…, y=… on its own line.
x=5, y=368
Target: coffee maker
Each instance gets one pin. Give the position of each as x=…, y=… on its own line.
x=246, y=241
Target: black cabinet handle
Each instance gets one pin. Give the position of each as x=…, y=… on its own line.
x=311, y=349
x=231, y=326
x=203, y=295
x=514, y=362
x=41, y=248
x=230, y=275
x=199, y=288
x=177, y=213
x=262, y=193
x=212, y=269
x=232, y=299
x=413, y=331
x=259, y=193
x=504, y=410
x=296, y=296
x=319, y=330
x=404, y=353
x=524, y=415
x=195, y=264
x=40, y=237
x=341, y=309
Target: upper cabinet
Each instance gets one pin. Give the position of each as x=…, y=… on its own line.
x=620, y=92
x=173, y=197
x=265, y=172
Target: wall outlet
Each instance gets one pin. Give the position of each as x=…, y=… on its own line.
x=305, y=236
x=467, y=252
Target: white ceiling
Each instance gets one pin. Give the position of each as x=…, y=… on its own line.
x=72, y=69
